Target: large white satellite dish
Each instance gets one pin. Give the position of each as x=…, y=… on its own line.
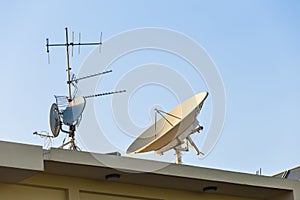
x=54, y=120
x=172, y=129
x=73, y=112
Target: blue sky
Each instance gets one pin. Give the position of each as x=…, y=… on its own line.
x=254, y=44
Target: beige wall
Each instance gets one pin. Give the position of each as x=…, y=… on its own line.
x=43, y=186
x=25, y=192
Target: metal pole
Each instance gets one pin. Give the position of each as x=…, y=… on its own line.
x=68, y=66
x=178, y=156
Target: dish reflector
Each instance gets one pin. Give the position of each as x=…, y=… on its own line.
x=161, y=133
x=74, y=111
x=54, y=120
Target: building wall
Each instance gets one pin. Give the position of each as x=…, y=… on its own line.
x=28, y=172
x=53, y=187
x=27, y=192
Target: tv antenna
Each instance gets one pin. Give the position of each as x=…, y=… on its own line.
x=68, y=44
x=68, y=109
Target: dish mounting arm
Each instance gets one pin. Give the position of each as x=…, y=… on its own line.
x=160, y=113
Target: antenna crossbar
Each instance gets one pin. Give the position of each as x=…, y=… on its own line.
x=90, y=76
x=71, y=44
x=104, y=94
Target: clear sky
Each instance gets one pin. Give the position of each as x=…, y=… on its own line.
x=254, y=44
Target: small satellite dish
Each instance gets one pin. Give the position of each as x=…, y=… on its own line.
x=74, y=111
x=54, y=120
x=170, y=131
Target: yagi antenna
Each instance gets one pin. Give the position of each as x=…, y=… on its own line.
x=104, y=94
x=90, y=76
x=67, y=44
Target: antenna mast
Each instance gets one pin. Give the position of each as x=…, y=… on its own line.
x=68, y=66
x=68, y=115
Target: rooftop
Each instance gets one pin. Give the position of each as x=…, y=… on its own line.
x=20, y=161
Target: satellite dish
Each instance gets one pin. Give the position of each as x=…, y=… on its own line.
x=54, y=120
x=170, y=131
x=73, y=112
